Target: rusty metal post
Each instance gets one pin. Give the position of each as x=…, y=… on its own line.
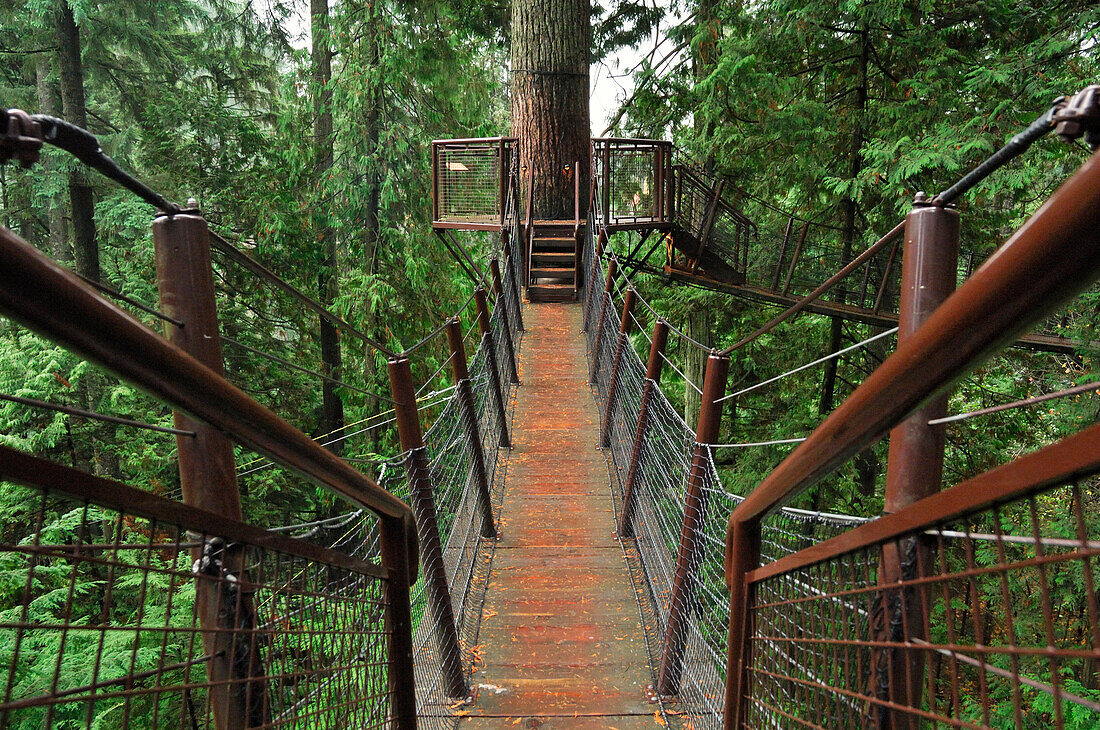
x=609, y=286
x=687, y=557
x=915, y=465
x=607, y=183
x=742, y=557
x=394, y=541
x=509, y=345
x=626, y=324
x=427, y=524
x=486, y=328
x=652, y=382
x=208, y=476
x=469, y=421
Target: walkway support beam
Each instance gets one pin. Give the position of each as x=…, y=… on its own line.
x=468, y=406
x=208, y=473
x=695, y=505
x=427, y=524
x=626, y=325
x=652, y=383
x=915, y=465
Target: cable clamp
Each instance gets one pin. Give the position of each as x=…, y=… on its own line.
x=1080, y=117
x=21, y=137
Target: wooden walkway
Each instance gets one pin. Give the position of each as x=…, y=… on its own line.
x=562, y=644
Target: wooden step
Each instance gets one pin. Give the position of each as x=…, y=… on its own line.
x=551, y=293
x=558, y=274
x=552, y=258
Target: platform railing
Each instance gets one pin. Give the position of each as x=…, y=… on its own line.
x=635, y=179
x=470, y=180
x=971, y=607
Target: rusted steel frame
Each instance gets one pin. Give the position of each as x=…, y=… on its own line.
x=886, y=276
x=503, y=183
x=816, y=293
x=208, y=475
x=1055, y=255
x=509, y=345
x=48, y=299
x=796, y=256
x=468, y=407
x=626, y=324
x=687, y=556
x=643, y=237
x=658, y=181
x=652, y=382
x=708, y=222
x=607, y=183
x=915, y=465
x=609, y=287
x=435, y=181
x=472, y=142
x=489, y=344
x=670, y=176
x=427, y=523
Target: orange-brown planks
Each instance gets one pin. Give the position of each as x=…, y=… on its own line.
x=562, y=644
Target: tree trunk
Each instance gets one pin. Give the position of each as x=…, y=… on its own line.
x=332, y=409
x=74, y=110
x=551, y=46
x=49, y=102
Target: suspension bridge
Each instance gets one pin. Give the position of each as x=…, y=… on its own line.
x=556, y=546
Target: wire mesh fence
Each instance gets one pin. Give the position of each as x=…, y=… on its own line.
x=992, y=623
x=633, y=175
x=470, y=180
x=107, y=620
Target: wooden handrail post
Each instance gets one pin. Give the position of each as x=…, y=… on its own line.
x=427, y=525
x=486, y=327
x=609, y=287
x=688, y=553
x=626, y=324
x=742, y=556
x=208, y=476
x=469, y=420
x=401, y=677
x=509, y=344
x=652, y=382
x=915, y=465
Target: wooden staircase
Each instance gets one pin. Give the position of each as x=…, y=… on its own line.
x=552, y=262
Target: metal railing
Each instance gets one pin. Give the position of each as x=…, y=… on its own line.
x=125, y=609
x=974, y=607
x=635, y=181
x=470, y=179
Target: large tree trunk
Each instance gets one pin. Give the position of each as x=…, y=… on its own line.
x=551, y=42
x=74, y=110
x=700, y=326
x=49, y=102
x=332, y=413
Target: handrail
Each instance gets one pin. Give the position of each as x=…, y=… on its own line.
x=54, y=302
x=1052, y=257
